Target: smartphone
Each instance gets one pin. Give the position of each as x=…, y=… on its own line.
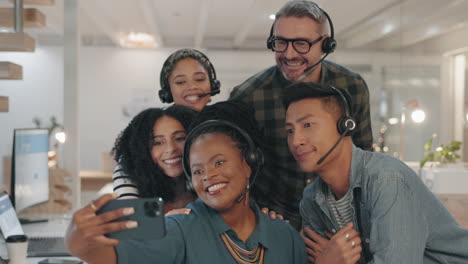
x=60, y=261
x=149, y=214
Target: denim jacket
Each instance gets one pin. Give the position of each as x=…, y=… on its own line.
x=397, y=216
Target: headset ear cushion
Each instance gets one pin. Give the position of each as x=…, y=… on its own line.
x=255, y=160
x=215, y=85
x=328, y=45
x=269, y=44
x=346, y=123
x=165, y=96
x=188, y=185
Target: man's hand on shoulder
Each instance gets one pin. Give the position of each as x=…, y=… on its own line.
x=185, y=211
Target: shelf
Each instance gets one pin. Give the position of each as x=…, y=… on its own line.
x=10, y=71
x=3, y=104
x=32, y=18
x=36, y=2
x=16, y=42
x=93, y=180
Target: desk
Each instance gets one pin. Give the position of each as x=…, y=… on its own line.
x=450, y=185
x=94, y=180
x=55, y=227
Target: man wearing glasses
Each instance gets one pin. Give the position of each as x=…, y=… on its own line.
x=301, y=37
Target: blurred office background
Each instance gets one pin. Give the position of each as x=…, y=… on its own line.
x=96, y=64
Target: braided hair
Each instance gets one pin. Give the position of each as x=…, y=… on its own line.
x=132, y=149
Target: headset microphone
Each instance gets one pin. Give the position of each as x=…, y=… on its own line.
x=334, y=146
x=242, y=196
x=311, y=69
x=210, y=93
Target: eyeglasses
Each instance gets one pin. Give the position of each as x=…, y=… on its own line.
x=302, y=46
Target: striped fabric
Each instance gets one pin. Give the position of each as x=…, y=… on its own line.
x=123, y=185
x=342, y=209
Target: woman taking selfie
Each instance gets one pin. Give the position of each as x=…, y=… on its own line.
x=224, y=225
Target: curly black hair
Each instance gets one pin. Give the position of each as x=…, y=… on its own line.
x=132, y=149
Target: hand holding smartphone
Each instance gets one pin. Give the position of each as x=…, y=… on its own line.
x=149, y=214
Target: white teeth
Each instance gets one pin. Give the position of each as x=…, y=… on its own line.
x=172, y=161
x=216, y=187
x=290, y=63
x=192, y=98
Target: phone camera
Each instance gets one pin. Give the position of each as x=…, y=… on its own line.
x=152, y=209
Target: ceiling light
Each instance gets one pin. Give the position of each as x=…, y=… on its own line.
x=434, y=30
x=272, y=17
x=61, y=137
x=388, y=28
x=418, y=116
x=137, y=40
x=415, y=82
x=393, y=121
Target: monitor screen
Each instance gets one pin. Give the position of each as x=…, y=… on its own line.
x=30, y=171
x=9, y=223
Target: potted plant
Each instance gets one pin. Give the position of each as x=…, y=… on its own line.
x=443, y=154
x=441, y=178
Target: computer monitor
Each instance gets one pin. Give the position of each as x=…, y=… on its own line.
x=29, y=170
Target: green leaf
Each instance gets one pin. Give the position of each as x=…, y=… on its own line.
x=443, y=153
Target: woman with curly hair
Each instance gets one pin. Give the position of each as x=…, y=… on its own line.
x=149, y=153
x=221, y=160
x=188, y=78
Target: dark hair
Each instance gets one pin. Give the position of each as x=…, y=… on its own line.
x=235, y=112
x=132, y=150
x=179, y=55
x=330, y=98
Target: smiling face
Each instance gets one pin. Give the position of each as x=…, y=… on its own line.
x=167, y=146
x=291, y=63
x=189, y=79
x=311, y=133
x=219, y=172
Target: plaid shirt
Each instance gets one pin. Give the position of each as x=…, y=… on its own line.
x=281, y=183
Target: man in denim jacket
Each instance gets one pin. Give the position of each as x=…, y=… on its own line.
x=366, y=207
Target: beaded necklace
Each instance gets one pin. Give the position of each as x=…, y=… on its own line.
x=242, y=256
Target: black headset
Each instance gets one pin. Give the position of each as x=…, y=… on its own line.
x=328, y=44
x=165, y=93
x=253, y=157
x=346, y=123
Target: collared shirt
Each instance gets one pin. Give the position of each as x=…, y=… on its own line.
x=400, y=218
x=195, y=238
x=281, y=183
